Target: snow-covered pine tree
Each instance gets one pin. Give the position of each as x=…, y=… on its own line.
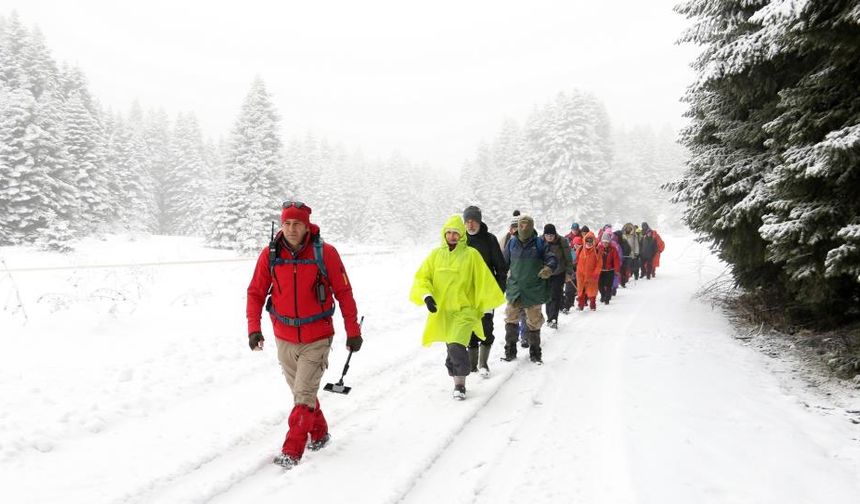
x=506, y=154
x=156, y=138
x=774, y=141
x=533, y=181
x=331, y=198
x=635, y=166
x=73, y=82
x=22, y=179
x=85, y=143
x=735, y=95
x=39, y=66
x=13, y=46
x=187, y=182
x=812, y=218
x=253, y=187
x=577, y=158
x=135, y=207
x=59, y=192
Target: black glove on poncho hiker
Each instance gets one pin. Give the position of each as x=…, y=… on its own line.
x=254, y=340
x=431, y=304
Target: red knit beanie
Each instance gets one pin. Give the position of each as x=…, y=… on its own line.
x=291, y=212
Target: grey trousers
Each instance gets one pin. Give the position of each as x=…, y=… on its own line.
x=457, y=361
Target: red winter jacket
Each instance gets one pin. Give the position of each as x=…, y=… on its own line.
x=294, y=294
x=609, y=259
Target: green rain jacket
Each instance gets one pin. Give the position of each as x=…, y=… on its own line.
x=462, y=286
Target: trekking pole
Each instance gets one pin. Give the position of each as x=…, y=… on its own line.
x=339, y=387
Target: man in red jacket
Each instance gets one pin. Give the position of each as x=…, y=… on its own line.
x=300, y=274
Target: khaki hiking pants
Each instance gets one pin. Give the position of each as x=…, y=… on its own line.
x=534, y=316
x=303, y=365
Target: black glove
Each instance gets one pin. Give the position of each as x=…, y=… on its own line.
x=431, y=304
x=254, y=340
x=354, y=343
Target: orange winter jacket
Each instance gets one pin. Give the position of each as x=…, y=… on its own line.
x=587, y=268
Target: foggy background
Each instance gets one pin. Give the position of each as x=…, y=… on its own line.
x=371, y=89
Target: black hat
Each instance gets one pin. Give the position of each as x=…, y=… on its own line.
x=549, y=229
x=472, y=212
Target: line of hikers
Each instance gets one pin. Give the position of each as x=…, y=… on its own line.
x=463, y=280
x=298, y=277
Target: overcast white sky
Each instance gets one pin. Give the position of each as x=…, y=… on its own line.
x=428, y=79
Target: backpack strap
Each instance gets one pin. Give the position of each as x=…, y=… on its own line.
x=275, y=258
x=296, y=322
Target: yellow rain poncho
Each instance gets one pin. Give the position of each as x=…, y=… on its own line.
x=462, y=286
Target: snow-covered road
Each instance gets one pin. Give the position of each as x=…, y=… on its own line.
x=158, y=399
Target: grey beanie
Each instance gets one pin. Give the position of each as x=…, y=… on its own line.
x=472, y=212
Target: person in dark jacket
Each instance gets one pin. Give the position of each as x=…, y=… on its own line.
x=626, y=258
x=301, y=305
x=569, y=297
x=652, y=246
x=558, y=246
x=530, y=266
x=479, y=238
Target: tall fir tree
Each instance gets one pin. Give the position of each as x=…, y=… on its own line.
x=13, y=48
x=156, y=137
x=187, y=182
x=136, y=209
x=253, y=187
x=22, y=178
x=772, y=181
x=85, y=143
x=60, y=193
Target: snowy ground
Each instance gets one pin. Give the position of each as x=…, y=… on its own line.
x=135, y=384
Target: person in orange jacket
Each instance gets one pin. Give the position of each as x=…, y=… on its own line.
x=587, y=272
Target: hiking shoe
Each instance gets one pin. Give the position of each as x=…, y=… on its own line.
x=459, y=392
x=536, y=360
x=285, y=461
x=565, y=311
x=319, y=443
x=484, y=372
x=524, y=344
x=552, y=324
x=509, y=358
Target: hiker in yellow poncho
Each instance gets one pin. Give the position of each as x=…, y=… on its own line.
x=457, y=288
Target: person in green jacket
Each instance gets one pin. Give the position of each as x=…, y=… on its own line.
x=457, y=288
x=531, y=265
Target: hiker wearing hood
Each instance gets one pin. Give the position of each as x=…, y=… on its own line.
x=559, y=248
x=479, y=238
x=610, y=266
x=457, y=288
x=301, y=305
x=652, y=246
x=530, y=265
x=632, y=238
x=626, y=257
x=587, y=272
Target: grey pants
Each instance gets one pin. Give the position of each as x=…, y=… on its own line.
x=457, y=361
